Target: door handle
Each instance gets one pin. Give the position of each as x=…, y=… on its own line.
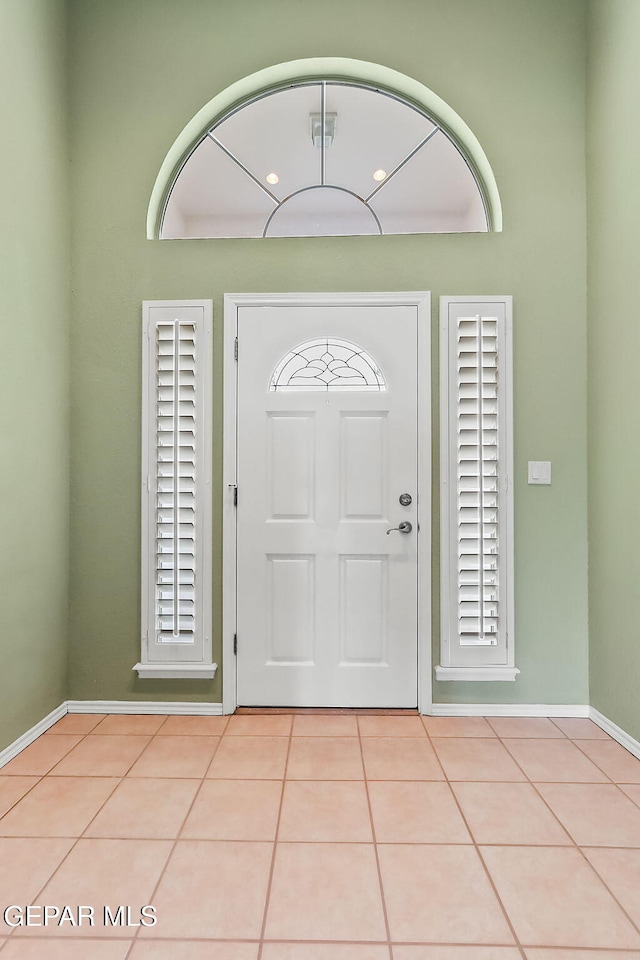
x=404, y=527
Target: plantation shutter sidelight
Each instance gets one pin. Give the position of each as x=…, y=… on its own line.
x=176, y=630
x=175, y=482
x=477, y=492
x=476, y=569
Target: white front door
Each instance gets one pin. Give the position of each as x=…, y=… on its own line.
x=326, y=466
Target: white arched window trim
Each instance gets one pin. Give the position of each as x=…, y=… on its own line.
x=339, y=69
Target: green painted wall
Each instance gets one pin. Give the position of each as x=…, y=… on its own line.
x=614, y=347
x=514, y=70
x=34, y=369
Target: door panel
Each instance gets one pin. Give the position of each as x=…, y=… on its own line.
x=364, y=586
x=291, y=465
x=290, y=618
x=363, y=464
x=327, y=600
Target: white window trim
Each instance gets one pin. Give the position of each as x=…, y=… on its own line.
x=201, y=666
x=480, y=670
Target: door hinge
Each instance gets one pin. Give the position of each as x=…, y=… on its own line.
x=235, y=349
x=235, y=644
x=235, y=494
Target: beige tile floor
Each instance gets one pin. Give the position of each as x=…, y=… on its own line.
x=311, y=837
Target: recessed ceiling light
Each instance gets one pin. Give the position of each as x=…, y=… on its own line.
x=272, y=178
x=379, y=175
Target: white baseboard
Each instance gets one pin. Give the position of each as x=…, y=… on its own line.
x=174, y=708
x=215, y=710
x=623, y=738
x=510, y=710
x=18, y=745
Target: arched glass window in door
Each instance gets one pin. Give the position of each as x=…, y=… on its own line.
x=324, y=158
x=327, y=364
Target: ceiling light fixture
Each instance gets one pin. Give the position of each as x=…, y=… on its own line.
x=379, y=175
x=315, y=124
x=272, y=178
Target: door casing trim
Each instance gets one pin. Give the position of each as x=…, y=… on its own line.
x=421, y=300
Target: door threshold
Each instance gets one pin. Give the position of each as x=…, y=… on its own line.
x=332, y=711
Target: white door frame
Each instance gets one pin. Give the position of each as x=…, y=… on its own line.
x=232, y=301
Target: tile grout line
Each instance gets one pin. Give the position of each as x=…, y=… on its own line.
x=75, y=839
x=553, y=721
x=163, y=724
x=177, y=837
x=533, y=784
x=174, y=844
x=353, y=843
x=202, y=779
x=501, y=737
x=75, y=843
x=577, y=846
x=120, y=778
x=636, y=802
x=552, y=740
x=82, y=736
x=439, y=944
x=89, y=733
x=25, y=794
x=477, y=849
x=636, y=926
x=375, y=843
x=570, y=951
x=267, y=898
x=596, y=764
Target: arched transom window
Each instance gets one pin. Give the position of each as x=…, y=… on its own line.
x=323, y=158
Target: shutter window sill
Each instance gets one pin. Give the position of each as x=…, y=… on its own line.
x=176, y=671
x=476, y=673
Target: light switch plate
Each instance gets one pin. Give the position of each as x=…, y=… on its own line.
x=540, y=471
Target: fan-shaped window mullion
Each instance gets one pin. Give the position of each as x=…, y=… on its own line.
x=327, y=364
x=326, y=158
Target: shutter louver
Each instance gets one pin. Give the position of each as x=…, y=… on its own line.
x=176, y=494
x=476, y=503
x=477, y=500
x=175, y=481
